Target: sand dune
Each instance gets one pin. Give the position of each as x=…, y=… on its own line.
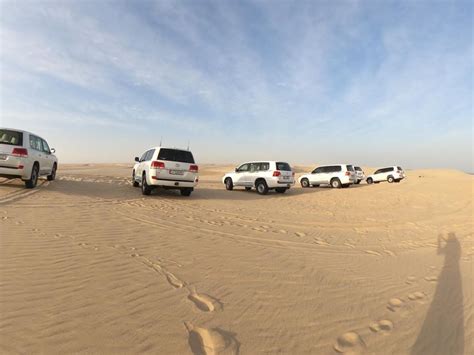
x=90, y=266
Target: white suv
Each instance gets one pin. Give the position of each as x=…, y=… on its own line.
x=360, y=175
x=169, y=168
x=26, y=156
x=390, y=174
x=263, y=175
x=340, y=175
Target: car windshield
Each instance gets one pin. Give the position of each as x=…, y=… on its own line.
x=350, y=168
x=11, y=137
x=283, y=166
x=182, y=156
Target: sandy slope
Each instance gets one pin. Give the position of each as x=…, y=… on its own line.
x=89, y=265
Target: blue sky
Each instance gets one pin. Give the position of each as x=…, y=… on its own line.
x=369, y=82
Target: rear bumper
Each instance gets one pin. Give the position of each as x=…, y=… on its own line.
x=274, y=183
x=172, y=183
x=12, y=172
x=348, y=180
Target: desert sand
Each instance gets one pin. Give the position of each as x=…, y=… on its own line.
x=89, y=265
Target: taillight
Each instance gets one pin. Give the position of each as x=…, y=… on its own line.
x=157, y=165
x=193, y=168
x=293, y=174
x=276, y=173
x=348, y=173
x=20, y=152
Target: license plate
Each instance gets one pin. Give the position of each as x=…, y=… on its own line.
x=3, y=157
x=176, y=172
x=286, y=178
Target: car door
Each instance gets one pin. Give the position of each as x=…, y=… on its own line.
x=48, y=159
x=316, y=175
x=37, y=153
x=241, y=174
x=378, y=175
x=331, y=171
x=140, y=166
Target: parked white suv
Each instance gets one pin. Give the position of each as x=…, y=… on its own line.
x=263, y=175
x=169, y=168
x=390, y=174
x=340, y=175
x=26, y=156
x=360, y=175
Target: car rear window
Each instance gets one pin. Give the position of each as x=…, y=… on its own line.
x=350, y=168
x=283, y=166
x=182, y=156
x=399, y=168
x=11, y=137
x=357, y=168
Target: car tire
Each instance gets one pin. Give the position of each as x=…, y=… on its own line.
x=304, y=183
x=248, y=188
x=52, y=176
x=358, y=182
x=281, y=190
x=229, y=185
x=261, y=187
x=134, y=182
x=146, y=189
x=33, y=181
x=346, y=186
x=370, y=181
x=186, y=191
x=390, y=179
x=336, y=183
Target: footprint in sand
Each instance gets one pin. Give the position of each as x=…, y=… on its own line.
x=174, y=281
x=394, y=304
x=383, y=326
x=431, y=278
x=410, y=280
x=350, y=343
x=204, y=302
x=416, y=296
x=371, y=252
x=211, y=341
x=300, y=234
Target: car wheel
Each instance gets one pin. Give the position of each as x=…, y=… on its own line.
x=31, y=183
x=186, y=192
x=346, y=186
x=262, y=187
x=134, y=182
x=229, y=185
x=52, y=176
x=336, y=183
x=390, y=179
x=146, y=189
x=248, y=188
x=358, y=182
x=281, y=190
x=304, y=183
x=370, y=181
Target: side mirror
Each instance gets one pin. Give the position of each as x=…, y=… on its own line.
x=236, y=170
x=52, y=150
x=137, y=159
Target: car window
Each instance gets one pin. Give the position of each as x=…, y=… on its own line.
x=386, y=170
x=399, y=168
x=143, y=156
x=349, y=168
x=182, y=156
x=317, y=170
x=264, y=166
x=35, y=143
x=283, y=166
x=378, y=171
x=253, y=167
x=151, y=153
x=334, y=169
x=357, y=168
x=45, y=147
x=243, y=168
x=11, y=137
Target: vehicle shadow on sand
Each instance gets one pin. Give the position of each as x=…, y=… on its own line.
x=443, y=329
